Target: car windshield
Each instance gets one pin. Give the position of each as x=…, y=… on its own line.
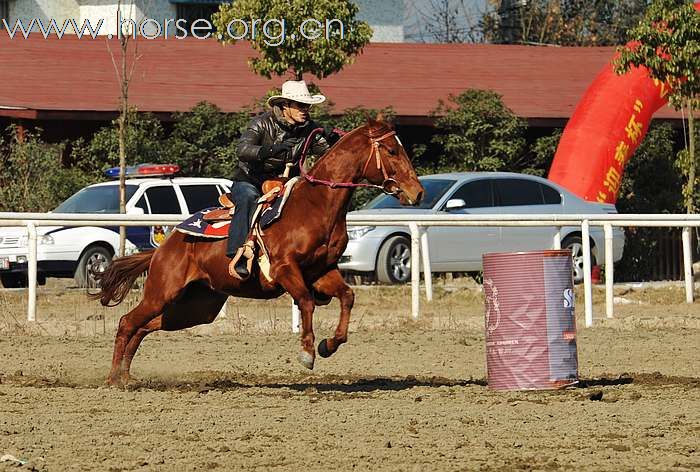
x=434, y=190
x=101, y=199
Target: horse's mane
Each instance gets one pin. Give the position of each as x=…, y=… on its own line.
x=372, y=129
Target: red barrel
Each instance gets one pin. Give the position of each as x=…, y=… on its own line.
x=530, y=323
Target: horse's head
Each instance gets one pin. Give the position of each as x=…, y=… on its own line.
x=388, y=164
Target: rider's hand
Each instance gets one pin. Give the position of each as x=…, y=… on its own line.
x=330, y=134
x=280, y=150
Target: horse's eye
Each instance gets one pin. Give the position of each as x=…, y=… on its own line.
x=393, y=152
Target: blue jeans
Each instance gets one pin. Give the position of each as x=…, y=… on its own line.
x=245, y=196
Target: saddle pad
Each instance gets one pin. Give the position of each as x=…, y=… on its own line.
x=274, y=211
x=195, y=225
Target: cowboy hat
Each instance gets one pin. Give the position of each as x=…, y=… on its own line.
x=297, y=92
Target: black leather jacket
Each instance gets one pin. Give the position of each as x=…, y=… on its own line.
x=267, y=129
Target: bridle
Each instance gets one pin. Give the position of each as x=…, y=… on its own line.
x=374, y=151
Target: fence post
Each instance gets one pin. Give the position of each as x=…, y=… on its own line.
x=587, y=290
x=425, y=255
x=609, y=270
x=415, y=270
x=688, y=266
x=31, y=271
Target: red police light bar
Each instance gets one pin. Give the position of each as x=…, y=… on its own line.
x=157, y=169
x=145, y=170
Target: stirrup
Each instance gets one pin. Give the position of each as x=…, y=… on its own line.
x=246, y=251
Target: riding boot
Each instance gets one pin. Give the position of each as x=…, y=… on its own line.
x=242, y=263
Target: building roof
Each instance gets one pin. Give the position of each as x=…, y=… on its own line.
x=75, y=78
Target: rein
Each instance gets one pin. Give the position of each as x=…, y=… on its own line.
x=374, y=151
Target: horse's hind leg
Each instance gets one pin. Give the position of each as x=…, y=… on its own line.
x=129, y=325
x=154, y=325
x=165, y=281
x=333, y=284
x=198, y=304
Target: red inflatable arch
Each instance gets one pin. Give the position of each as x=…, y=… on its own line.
x=606, y=128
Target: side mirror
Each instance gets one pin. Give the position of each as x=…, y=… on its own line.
x=135, y=211
x=454, y=204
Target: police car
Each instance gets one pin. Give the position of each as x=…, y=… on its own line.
x=78, y=252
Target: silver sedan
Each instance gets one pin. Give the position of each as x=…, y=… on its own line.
x=385, y=251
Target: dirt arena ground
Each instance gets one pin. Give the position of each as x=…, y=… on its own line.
x=400, y=396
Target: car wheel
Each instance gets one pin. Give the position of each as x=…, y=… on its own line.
x=94, y=260
x=394, y=261
x=575, y=244
x=13, y=280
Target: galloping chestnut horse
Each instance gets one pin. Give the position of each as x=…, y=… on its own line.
x=188, y=280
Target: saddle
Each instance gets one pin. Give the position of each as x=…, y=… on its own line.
x=272, y=190
x=213, y=223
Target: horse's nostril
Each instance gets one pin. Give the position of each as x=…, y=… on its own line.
x=419, y=197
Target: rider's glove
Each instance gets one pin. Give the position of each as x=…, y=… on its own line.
x=280, y=150
x=330, y=134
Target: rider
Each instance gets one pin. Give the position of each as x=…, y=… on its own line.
x=270, y=141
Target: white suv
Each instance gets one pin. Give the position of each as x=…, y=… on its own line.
x=78, y=251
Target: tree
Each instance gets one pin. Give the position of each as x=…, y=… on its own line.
x=203, y=140
x=316, y=37
x=124, y=69
x=446, y=21
x=542, y=153
x=32, y=175
x=561, y=22
x=142, y=141
x=651, y=184
x=477, y=132
x=667, y=43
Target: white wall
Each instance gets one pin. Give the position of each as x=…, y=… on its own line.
x=391, y=20
x=386, y=17
x=93, y=10
x=137, y=10
x=43, y=10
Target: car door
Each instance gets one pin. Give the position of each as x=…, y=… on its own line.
x=525, y=196
x=459, y=248
x=162, y=199
x=140, y=236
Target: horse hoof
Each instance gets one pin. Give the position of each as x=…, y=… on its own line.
x=306, y=359
x=114, y=382
x=323, y=349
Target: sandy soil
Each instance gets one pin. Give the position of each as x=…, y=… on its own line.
x=401, y=395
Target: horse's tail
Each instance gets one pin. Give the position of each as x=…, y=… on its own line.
x=116, y=281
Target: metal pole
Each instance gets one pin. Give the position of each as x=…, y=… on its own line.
x=296, y=317
x=587, y=289
x=609, y=270
x=688, y=266
x=425, y=255
x=31, y=276
x=415, y=270
x=557, y=238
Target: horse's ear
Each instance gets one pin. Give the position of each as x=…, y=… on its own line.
x=371, y=122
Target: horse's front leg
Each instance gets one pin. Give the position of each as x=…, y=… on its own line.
x=289, y=276
x=333, y=284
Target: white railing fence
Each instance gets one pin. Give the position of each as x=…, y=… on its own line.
x=417, y=225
